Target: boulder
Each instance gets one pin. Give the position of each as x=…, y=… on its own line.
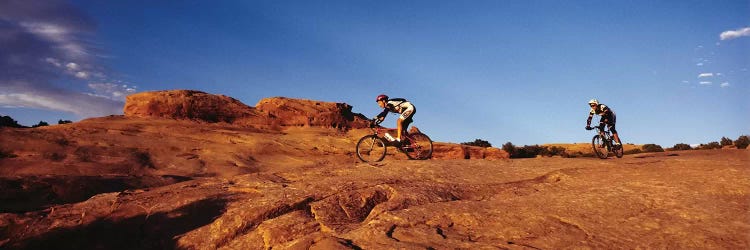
x=187, y=104
x=300, y=112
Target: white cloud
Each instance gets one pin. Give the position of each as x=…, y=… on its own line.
x=41, y=41
x=724, y=84
x=732, y=34
x=699, y=64
x=705, y=83
x=705, y=75
x=112, y=91
x=62, y=101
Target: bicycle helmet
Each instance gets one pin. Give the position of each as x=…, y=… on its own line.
x=381, y=98
x=594, y=101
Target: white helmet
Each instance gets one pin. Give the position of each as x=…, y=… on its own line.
x=594, y=101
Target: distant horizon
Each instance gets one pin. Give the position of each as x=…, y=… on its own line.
x=494, y=144
x=502, y=71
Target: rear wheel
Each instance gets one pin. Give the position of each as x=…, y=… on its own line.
x=371, y=148
x=599, y=147
x=419, y=147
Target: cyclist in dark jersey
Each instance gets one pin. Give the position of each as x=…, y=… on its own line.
x=608, y=117
x=396, y=105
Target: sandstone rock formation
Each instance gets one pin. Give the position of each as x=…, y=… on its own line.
x=276, y=111
x=298, y=112
x=187, y=104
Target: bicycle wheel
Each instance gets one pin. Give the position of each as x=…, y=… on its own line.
x=618, y=150
x=371, y=148
x=419, y=147
x=599, y=147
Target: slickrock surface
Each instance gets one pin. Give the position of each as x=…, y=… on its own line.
x=173, y=178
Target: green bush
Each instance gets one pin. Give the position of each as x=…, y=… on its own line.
x=710, y=145
x=652, y=148
x=478, y=143
x=40, y=124
x=725, y=141
x=681, y=146
x=742, y=142
x=7, y=121
x=510, y=148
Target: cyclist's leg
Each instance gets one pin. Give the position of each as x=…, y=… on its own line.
x=405, y=120
x=611, y=125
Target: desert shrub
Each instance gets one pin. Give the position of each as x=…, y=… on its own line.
x=652, y=148
x=478, y=143
x=710, y=145
x=61, y=121
x=7, y=121
x=725, y=141
x=510, y=148
x=681, y=146
x=555, y=150
x=40, y=124
x=742, y=142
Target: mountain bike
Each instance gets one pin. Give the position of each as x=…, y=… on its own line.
x=372, y=147
x=603, y=143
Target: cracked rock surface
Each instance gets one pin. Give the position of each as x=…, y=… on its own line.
x=694, y=200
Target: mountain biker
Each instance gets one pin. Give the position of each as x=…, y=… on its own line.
x=396, y=105
x=608, y=117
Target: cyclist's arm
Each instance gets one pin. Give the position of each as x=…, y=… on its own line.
x=382, y=115
x=588, y=121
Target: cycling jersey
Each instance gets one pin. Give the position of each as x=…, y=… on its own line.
x=607, y=116
x=403, y=107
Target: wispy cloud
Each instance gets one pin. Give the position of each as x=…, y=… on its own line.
x=40, y=41
x=724, y=84
x=704, y=83
x=732, y=34
x=701, y=75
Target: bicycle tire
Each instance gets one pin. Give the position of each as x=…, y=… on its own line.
x=619, y=151
x=596, y=144
x=371, y=148
x=419, y=148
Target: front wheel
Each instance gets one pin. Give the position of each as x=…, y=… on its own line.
x=419, y=147
x=371, y=149
x=599, y=147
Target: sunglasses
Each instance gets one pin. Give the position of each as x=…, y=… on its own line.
x=592, y=105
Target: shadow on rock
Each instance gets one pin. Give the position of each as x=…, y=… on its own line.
x=155, y=231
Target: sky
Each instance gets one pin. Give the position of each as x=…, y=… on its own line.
x=503, y=71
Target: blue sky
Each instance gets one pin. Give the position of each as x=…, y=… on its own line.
x=518, y=71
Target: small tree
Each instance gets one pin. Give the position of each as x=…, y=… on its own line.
x=478, y=143
x=711, y=145
x=681, y=146
x=510, y=148
x=40, y=124
x=61, y=121
x=725, y=141
x=7, y=121
x=742, y=142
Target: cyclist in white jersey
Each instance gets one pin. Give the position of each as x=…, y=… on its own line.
x=608, y=117
x=396, y=105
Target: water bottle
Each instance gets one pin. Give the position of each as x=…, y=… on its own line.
x=389, y=137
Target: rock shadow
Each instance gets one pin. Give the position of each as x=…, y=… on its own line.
x=155, y=231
